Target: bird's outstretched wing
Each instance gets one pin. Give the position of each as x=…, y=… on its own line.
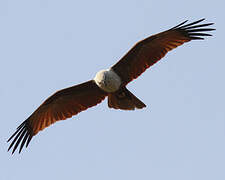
x=60, y=106
x=150, y=50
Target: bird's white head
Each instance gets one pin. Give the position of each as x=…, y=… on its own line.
x=108, y=80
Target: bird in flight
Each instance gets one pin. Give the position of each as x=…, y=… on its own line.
x=109, y=83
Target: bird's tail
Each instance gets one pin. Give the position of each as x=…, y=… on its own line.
x=124, y=99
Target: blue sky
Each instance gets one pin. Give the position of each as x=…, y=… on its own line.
x=49, y=45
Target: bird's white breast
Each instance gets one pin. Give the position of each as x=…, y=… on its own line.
x=108, y=80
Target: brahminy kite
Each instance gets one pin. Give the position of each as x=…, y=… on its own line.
x=111, y=82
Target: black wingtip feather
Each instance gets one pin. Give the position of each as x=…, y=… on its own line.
x=193, y=30
x=179, y=25
x=197, y=38
x=197, y=26
x=199, y=34
x=28, y=141
x=23, y=142
x=19, y=140
x=14, y=140
x=22, y=135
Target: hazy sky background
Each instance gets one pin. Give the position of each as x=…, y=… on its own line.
x=47, y=45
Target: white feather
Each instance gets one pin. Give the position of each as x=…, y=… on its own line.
x=107, y=80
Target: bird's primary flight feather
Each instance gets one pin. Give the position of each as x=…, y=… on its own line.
x=112, y=83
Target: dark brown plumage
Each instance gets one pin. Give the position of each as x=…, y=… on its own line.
x=150, y=50
x=68, y=102
x=60, y=106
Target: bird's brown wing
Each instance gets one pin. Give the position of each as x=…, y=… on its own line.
x=60, y=106
x=150, y=50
